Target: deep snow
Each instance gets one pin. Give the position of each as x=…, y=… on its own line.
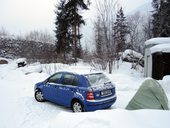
x=19, y=109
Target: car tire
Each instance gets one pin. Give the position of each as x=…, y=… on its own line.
x=77, y=106
x=39, y=96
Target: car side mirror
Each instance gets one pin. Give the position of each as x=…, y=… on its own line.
x=46, y=81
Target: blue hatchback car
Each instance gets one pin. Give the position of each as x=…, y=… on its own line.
x=80, y=92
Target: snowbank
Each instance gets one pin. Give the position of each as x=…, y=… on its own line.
x=80, y=68
x=31, y=69
x=165, y=48
x=155, y=41
x=19, y=109
x=165, y=82
x=117, y=118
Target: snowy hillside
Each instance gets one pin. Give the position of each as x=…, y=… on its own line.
x=19, y=109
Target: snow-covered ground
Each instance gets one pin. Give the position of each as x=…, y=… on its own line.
x=19, y=109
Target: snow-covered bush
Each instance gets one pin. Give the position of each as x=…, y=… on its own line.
x=53, y=67
x=133, y=56
x=36, y=68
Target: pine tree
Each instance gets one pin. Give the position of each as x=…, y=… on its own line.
x=120, y=31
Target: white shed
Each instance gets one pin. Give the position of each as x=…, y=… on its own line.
x=157, y=58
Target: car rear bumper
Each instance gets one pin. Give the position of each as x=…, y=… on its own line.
x=92, y=105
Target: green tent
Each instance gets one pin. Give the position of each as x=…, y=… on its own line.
x=149, y=96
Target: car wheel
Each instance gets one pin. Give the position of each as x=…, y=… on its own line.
x=39, y=96
x=77, y=107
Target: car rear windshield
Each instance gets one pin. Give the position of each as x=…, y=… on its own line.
x=97, y=79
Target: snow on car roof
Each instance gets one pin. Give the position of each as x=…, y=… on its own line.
x=82, y=72
x=160, y=40
x=165, y=48
x=91, y=73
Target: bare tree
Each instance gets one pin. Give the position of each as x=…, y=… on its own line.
x=147, y=28
x=29, y=48
x=134, y=25
x=3, y=32
x=41, y=36
x=104, y=33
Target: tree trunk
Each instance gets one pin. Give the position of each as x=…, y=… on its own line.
x=75, y=36
x=110, y=66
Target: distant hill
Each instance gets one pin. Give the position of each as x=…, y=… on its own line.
x=32, y=50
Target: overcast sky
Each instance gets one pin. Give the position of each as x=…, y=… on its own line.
x=21, y=16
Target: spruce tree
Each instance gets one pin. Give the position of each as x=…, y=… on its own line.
x=67, y=30
x=165, y=18
x=120, y=31
x=73, y=7
x=62, y=32
x=161, y=18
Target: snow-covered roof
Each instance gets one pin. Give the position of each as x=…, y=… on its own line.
x=165, y=48
x=1, y=58
x=155, y=41
x=20, y=60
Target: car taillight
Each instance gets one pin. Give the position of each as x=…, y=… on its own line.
x=90, y=96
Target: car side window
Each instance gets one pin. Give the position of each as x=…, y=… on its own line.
x=55, y=78
x=70, y=79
